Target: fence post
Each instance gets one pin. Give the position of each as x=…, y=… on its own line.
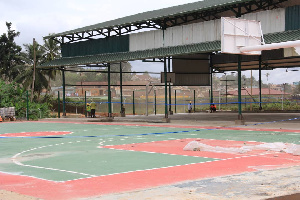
x=175, y=102
x=133, y=108
x=194, y=100
x=85, y=104
x=155, y=102
x=27, y=110
x=109, y=91
x=58, y=99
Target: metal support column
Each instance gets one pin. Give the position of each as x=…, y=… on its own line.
x=166, y=88
x=64, y=91
x=240, y=117
x=211, y=80
x=85, y=113
x=175, y=102
x=147, y=86
x=155, y=102
x=109, y=92
x=133, y=107
x=170, y=96
x=122, y=111
x=58, y=103
x=259, y=82
x=121, y=86
x=194, y=101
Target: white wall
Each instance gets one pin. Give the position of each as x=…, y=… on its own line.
x=271, y=20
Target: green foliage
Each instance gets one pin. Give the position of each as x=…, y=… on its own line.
x=26, y=75
x=52, y=51
x=9, y=54
x=18, y=66
x=13, y=95
x=296, y=90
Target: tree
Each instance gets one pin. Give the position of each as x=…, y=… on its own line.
x=51, y=50
x=26, y=77
x=296, y=91
x=9, y=54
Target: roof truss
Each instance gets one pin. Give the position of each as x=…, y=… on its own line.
x=236, y=9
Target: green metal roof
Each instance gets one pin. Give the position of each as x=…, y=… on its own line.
x=154, y=15
x=162, y=52
x=135, y=55
x=282, y=36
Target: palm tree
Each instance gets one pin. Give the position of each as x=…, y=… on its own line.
x=52, y=51
x=25, y=76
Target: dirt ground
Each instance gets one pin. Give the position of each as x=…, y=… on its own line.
x=8, y=195
x=266, y=183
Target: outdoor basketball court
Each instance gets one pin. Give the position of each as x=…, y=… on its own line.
x=72, y=160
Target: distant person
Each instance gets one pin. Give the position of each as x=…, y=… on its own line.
x=88, y=110
x=213, y=108
x=190, y=107
x=93, y=109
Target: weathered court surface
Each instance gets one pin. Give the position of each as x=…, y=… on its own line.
x=129, y=160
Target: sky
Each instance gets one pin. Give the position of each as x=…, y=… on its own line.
x=39, y=18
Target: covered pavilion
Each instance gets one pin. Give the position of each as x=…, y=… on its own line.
x=189, y=36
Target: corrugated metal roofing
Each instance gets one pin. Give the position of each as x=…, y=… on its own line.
x=135, y=55
x=282, y=36
x=162, y=52
x=153, y=15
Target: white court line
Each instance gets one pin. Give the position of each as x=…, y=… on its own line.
x=14, y=160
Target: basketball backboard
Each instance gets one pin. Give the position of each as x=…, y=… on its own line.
x=237, y=33
x=297, y=49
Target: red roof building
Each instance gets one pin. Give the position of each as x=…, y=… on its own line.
x=255, y=92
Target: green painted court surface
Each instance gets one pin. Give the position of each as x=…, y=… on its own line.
x=79, y=155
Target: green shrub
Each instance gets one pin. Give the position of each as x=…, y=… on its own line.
x=13, y=95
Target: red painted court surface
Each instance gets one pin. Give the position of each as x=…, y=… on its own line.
x=36, y=134
x=223, y=164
